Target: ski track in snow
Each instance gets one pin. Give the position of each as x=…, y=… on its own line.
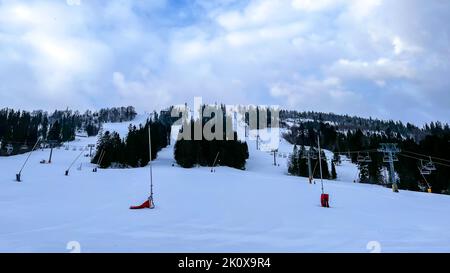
x=261, y=209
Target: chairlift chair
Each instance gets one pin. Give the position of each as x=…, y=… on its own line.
x=423, y=169
x=360, y=158
x=430, y=165
x=9, y=149
x=367, y=158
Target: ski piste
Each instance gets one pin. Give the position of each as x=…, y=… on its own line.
x=261, y=209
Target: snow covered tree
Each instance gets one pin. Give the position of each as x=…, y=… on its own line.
x=363, y=173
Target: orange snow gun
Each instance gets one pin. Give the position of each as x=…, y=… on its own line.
x=324, y=200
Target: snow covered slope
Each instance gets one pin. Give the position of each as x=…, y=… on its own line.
x=258, y=210
x=122, y=127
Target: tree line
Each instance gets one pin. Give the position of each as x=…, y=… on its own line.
x=344, y=123
x=133, y=150
x=21, y=129
x=223, y=152
x=434, y=143
x=302, y=160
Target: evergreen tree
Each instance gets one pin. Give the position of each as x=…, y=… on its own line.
x=293, y=164
x=333, y=171
x=55, y=132
x=231, y=152
x=303, y=162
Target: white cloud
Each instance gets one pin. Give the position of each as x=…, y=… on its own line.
x=141, y=92
x=326, y=94
x=151, y=53
x=379, y=71
x=400, y=46
x=313, y=5
x=360, y=9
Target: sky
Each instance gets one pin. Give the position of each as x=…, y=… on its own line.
x=388, y=59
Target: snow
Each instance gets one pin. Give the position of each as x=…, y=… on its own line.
x=122, y=127
x=261, y=209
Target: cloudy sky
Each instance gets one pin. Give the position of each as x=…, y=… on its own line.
x=381, y=58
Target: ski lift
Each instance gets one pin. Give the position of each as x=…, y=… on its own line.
x=360, y=158
x=367, y=158
x=9, y=149
x=430, y=165
x=423, y=169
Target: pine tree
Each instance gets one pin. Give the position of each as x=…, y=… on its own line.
x=55, y=132
x=231, y=152
x=333, y=171
x=303, y=162
x=336, y=158
x=293, y=167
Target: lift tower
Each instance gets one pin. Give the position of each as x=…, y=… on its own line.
x=390, y=151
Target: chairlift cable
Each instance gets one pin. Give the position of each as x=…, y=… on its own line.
x=437, y=163
x=433, y=157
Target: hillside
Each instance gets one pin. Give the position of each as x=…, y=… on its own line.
x=261, y=209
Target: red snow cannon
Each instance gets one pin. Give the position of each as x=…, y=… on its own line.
x=324, y=200
x=146, y=205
